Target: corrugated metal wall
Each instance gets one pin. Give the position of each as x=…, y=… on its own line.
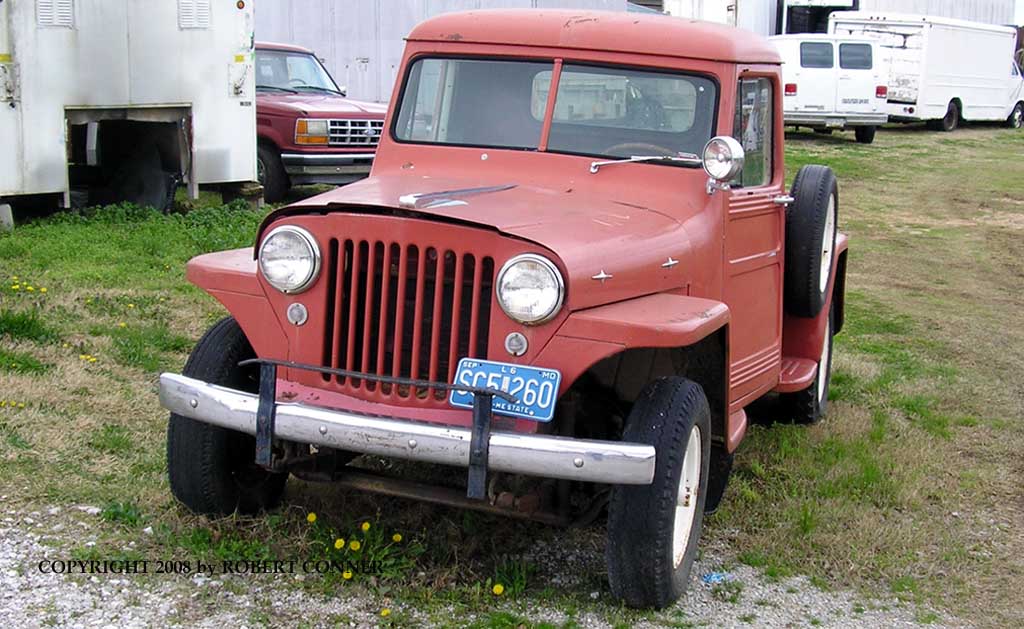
x=990, y=11
x=361, y=42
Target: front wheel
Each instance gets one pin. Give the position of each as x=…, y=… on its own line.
x=270, y=173
x=212, y=469
x=1016, y=119
x=653, y=529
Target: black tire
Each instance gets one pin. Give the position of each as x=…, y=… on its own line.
x=212, y=469
x=270, y=173
x=811, y=404
x=1016, y=119
x=823, y=131
x=806, y=222
x=719, y=472
x=642, y=567
x=865, y=135
x=950, y=122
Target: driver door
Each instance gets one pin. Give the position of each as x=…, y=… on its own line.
x=754, y=226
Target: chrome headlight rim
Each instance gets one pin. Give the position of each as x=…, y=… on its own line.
x=314, y=249
x=550, y=267
x=736, y=160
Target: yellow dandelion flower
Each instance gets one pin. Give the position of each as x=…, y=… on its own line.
x=3, y=403
x=29, y=289
x=16, y=287
x=21, y=405
x=311, y=518
x=365, y=526
x=339, y=543
x=122, y=325
x=346, y=575
x=42, y=289
x=88, y=301
x=354, y=545
x=83, y=357
x=385, y=612
x=397, y=537
x=498, y=589
x=14, y=278
x=93, y=359
x=131, y=305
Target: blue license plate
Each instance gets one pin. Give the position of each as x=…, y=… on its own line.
x=535, y=388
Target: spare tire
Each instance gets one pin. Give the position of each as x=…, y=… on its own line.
x=810, y=240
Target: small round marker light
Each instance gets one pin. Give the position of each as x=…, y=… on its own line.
x=297, y=314
x=516, y=344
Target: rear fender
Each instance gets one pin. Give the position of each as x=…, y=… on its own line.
x=802, y=337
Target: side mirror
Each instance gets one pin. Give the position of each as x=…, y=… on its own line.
x=723, y=160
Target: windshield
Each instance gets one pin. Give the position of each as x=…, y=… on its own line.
x=291, y=71
x=599, y=111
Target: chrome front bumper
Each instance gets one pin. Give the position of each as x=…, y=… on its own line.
x=538, y=455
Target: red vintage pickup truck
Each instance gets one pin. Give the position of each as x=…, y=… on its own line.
x=308, y=130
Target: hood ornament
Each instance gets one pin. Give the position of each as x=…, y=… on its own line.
x=602, y=276
x=446, y=197
x=670, y=263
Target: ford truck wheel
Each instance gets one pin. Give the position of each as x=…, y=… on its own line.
x=212, y=469
x=1016, y=119
x=809, y=406
x=865, y=135
x=270, y=173
x=810, y=240
x=653, y=529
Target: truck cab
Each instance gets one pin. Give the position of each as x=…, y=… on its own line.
x=572, y=268
x=308, y=130
x=834, y=83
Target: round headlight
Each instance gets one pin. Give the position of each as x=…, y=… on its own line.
x=289, y=259
x=723, y=158
x=530, y=288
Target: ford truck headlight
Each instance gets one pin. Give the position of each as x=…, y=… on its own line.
x=530, y=289
x=290, y=259
x=311, y=131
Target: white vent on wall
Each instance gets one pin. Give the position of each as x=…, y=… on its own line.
x=194, y=13
x=60, y=13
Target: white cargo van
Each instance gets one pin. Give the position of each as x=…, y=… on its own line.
x=943, y=71
x=833, y=83
x=121, y=100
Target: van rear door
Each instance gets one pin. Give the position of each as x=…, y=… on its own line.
x=858, y=79
x=816, y=79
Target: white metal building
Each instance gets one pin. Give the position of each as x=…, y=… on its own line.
x=361, y=42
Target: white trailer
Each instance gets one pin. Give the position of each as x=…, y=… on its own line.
x=123, y=99
x=942, y=70
x=361, y=43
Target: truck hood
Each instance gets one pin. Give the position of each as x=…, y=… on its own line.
x=629, y=246
x=318, y=105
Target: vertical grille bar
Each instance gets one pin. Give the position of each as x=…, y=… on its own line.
x=417, y=320
x=474, y=317
x=353, y=310
x=371, y=278
x=385, y=294
x=435, y=318
x=403, y=279
x=453, y=345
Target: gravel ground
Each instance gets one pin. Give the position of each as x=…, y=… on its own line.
x=29, y=598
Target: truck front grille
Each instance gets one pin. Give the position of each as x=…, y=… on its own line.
x=403, y=310
x=355, y=133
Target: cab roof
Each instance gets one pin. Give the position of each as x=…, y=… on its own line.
x=269, y=45
x=599, y=30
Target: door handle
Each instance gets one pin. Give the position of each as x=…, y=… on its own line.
x=783, y=199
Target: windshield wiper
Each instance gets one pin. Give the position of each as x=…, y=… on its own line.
x=682, y=158
x=319, y=89
x=274, y=87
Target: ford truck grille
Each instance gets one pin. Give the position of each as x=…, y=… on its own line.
x=403, y=310
x=355, y=132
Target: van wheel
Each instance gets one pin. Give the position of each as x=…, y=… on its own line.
x=809, y=406
x=653, y=529
x=950, y=122
x=212, y=469
x=1016, y=119
x=270, y=173
x=810, y=240
x=865, y=135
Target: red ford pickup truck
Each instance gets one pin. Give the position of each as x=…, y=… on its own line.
x=308, y=130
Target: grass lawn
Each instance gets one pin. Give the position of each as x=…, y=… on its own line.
x=912, y=485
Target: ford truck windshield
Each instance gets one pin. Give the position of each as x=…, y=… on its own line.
x=599, y=111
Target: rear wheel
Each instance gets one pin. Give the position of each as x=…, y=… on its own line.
x=949, y=122
x=212, y=469
x=865, y=135
x=270, y=173
x=809, y=406
x=653, y=529
x=1016, y=119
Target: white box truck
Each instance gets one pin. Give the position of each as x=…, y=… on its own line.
x=122, y=100
x=833, y=83
x=942, y=70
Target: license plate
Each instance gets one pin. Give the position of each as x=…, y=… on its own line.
x=835, y=123
x=535, y=388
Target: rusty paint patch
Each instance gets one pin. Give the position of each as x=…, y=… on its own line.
x=454, y=37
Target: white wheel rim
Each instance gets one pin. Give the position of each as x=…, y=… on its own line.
x=1018, y=117
x=823, y=362
x=686, y=498
x=827, y=240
